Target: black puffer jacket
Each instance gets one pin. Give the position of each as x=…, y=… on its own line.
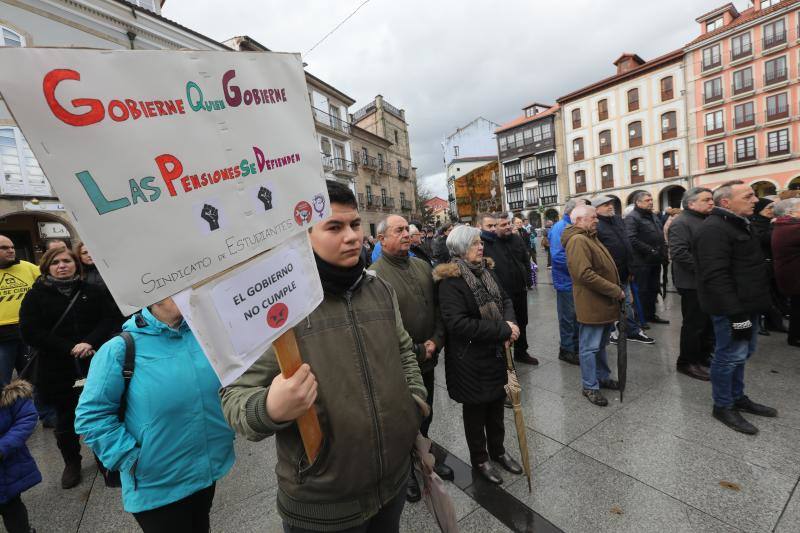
x=646, y=235
x=611, y=232
x=475, y=365
x=90, y=320
x=732, y=276
x=762, y=227
x=440, y=252
x=512, y=261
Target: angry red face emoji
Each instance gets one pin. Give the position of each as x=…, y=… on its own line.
x=277, y=315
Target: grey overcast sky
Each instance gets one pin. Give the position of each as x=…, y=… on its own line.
x=448, y=61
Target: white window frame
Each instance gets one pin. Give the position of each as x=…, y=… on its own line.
x=24, y=187
x=4, y=29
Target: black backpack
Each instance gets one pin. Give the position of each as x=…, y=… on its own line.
x=128, y=366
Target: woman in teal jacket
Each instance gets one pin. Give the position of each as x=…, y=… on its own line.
x=174, y=443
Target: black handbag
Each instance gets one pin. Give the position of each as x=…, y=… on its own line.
x=30, y=371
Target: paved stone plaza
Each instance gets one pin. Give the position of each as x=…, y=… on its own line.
x=657, y=462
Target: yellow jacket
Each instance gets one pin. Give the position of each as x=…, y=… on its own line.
x=15, y=282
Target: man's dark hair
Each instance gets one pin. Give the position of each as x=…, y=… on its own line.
x=485, y=215
x=691, y=195
x=639, y=196
x=341, y=194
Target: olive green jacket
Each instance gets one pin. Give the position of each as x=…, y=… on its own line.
x=367, y=373
x=412, y=280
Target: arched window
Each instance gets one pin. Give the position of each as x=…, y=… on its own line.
x=577, y=149
x=607, y=177
x=633, y=100
x=580, y=181
x=669, y=125
x=670, y=163
x=637, y=170
x=605, y=142
x=10, y=38
x=635, y=134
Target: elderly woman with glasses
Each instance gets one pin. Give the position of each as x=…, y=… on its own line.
x=480, y=324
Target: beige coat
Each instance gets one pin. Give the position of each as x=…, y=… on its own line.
x=595, y=280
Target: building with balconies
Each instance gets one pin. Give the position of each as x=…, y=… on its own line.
x=387, y=182
x=528, y=150
x=743, y=96
x=628, y=132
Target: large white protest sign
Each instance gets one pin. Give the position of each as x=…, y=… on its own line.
x=174, y=165
x=237, y=315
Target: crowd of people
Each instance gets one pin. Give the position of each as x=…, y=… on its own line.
x=148, y=404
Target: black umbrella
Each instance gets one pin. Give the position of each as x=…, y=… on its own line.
x=622, y=350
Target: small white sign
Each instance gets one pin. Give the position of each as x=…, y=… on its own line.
x=51, y=230
x=237, y=315
x=30, y=206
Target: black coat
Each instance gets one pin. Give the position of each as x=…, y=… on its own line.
x=512, y=262
x=762, y=227
x=681, y=235
x=439, y=249
x=611, y=232
x=90, y=320
x=732, y=276
x=646, y=235
x=475, y=366
x=421, y=252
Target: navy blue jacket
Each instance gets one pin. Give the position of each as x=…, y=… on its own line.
x=18, y=471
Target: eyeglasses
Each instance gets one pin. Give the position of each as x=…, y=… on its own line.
x=4, y=248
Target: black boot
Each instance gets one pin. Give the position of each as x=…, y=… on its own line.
x=71, y=476
x=568, y=357
x=444, y=471
x=749, y=406
x=734, y=420
x=507, y=462
x=413, y=493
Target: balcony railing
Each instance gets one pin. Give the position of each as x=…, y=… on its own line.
x=713, y=97
x=335, y=123
x=718, y=162
x=515, y=206
x=744, y=52
x=405, y=205
x=746, y=121
x=531, y=202
x=549, y=200
x=387, y=202
x=777, y=113
x=368, y=201
x=714, y=63
x=514, y=179
x=546, y=171
x=403, y=172
x=774, y=40
x=369, y=162
x=343, y=165
x=713, y=130
x=327, y=161
x=746, y=86
x=776, y=76
x=529, y=174
x=778, y=151
x=743, y=158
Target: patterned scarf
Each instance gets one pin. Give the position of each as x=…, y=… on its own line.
x=481, y=282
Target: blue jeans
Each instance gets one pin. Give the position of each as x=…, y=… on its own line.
x=630, y=317
x=727, y=365
x=594, y=361
x=11, y=353
x=567, y=321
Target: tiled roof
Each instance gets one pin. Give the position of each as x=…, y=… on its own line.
x=524, y=120
x=616, y=78
x=745, y=16
x=722, y=9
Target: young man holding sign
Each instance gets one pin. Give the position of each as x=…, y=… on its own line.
x=362, y=376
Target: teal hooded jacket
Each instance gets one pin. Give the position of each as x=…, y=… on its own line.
x=175, y=440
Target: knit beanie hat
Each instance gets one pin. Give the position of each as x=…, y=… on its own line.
x=761, y=204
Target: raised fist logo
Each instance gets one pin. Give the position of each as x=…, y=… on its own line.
x=277, y=315
x=211, y=215
x=265, y=195
x=302, y=213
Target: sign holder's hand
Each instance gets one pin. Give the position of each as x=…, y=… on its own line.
x=288, y=355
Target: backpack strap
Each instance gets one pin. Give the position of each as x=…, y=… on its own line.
x=127, y=372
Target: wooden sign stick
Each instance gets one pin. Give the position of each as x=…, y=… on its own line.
x=289, y=360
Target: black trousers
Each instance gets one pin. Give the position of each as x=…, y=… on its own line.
x=648, y=279
x=189, y=515
x=520, y=303
x=15, y=515
x=67, y=440
x=386, y=521
x=794, y=319
x=484, y=425
x=428, y=380
x=697, y=331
